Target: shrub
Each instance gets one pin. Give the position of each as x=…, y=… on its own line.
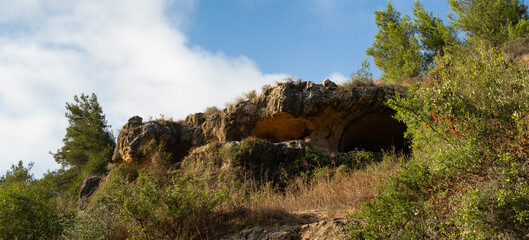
x=27, y=210
x=467, y=164
x=211, y=111
x=26, y=214
x=259, y=160
x=148, y=208
x=189, y=205
x=358, y=159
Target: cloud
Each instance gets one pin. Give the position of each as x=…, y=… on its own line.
x=338, y=77
x=132, y=54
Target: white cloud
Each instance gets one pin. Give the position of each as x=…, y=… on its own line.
x=338, y=77
x=128, y=52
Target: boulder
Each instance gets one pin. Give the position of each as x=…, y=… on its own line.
x=88, y=188
x=138, y=142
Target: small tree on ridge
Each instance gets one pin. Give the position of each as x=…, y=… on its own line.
x=88, y=143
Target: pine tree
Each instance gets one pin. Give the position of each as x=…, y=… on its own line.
x=488, y=20
x=396, y=50
x=433, y=34
x=88, y=143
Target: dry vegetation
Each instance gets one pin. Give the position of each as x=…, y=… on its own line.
x=329, y=193
x=326, y=192
x=356, y=83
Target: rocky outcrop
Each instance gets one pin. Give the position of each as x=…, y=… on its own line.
x=320, y=114
x=88, y=188
x=139, y=141
x=294, y=118
x=325, y=116
x=322, y=230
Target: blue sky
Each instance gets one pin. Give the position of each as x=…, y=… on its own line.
x=309, y=39
x=163, y=57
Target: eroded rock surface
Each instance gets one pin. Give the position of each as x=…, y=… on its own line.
x=323, y=230
x=88, y=188
x=327, y=117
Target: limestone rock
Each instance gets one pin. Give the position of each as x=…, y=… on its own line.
x=138, y=141
x=321, y=114
x=323, y=230
x=326, y=116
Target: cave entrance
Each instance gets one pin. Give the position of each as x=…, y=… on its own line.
x=374, y=132
x=283, y=127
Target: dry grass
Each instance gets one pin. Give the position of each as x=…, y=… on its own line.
x=265, y=87
x=243, y=97
x=331, y=195
x=356, y=83
x=516, y=49
x=287, y=80
x=210, y=111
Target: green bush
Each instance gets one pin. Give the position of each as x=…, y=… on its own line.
x=148, y=208
x=259, y=160
x=466, y=178
x=358, y=159
x=27, y=210
x=189, y=204
x=400, y=207
x=499, y=208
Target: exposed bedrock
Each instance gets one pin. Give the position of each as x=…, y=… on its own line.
x=325, y=116
x=322, y=230
x=87, y=189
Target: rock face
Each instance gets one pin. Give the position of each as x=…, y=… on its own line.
x=138, y=141
x=88, y=188
x=322, y=230
x=325, y=116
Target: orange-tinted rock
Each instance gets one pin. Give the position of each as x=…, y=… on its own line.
x=327, y=117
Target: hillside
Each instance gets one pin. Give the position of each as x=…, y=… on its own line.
x=437, y=148
x=288, y=140
x=445, y=157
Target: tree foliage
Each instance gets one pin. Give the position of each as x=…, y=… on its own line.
x=467, y=176
x=396, y=50
x=88, y=143
x=26, y=207
x=17, y=174
x=406, y=48
x=489, y=20
x=433, y=34
x=363, y=73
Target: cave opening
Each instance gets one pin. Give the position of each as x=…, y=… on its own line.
x=282, y=127
x=374, y=132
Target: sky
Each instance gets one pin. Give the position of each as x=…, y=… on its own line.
x=164, y=57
